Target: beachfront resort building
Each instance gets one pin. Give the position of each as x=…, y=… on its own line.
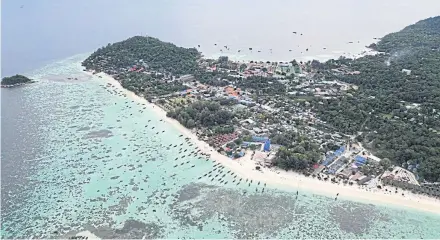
x=400, y=177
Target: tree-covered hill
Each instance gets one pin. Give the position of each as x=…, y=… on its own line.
x=15, y=80
x=423, y=34
x=149, y=52
x=415, y=48
x=398, y=113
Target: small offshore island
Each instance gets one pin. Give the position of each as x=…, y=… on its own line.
x=371, y=122
x=14, y=81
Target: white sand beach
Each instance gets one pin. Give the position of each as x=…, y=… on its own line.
x=87, y=234
x=245, y=167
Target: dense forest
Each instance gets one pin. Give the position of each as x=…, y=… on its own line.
x=148, y=52
x=297, y=153
x=395, y=113
x=13, y=80
x=150, y=85
x=202, y=114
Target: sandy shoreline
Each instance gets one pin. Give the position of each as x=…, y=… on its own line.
x=245, y=167
x=365, y=51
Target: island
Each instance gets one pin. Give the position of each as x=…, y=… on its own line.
x=372, y=121
x=13, y=81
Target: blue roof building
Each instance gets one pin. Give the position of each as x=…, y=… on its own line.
x=340, y=151
x=266, y=147
x=329, y=159
x=360, y=159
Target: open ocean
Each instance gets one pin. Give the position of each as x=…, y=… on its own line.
x=76, y=156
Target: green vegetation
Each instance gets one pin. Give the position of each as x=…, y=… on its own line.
x=262, y=85
x=297, y=153
x=145, y=65
x=148, y=52
x=15, y=80
x=223, y=129
x=149, y=84
x=395, y=114
x=214, y=78
x=202, y=114
x=424, y=34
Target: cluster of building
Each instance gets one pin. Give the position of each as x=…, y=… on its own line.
x=349, y=162
x=222, y=139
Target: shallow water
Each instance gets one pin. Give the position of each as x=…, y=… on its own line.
x=78, y=155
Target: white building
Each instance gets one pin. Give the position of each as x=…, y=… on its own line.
x=257, y=130
x=249, y=121
x=373, y=158
x=407, y=71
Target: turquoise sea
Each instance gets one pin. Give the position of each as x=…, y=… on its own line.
x=78, y=155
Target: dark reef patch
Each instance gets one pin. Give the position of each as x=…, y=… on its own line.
x=247, y=215
x=354, y=217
